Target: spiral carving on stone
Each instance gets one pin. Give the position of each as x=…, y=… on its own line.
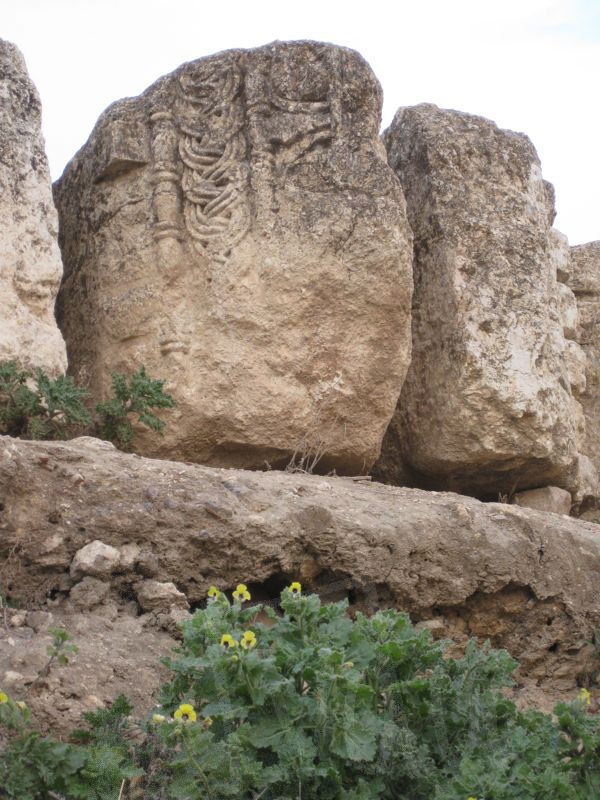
x=212, y=148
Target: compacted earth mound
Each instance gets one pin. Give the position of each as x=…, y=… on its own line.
x=119, y=548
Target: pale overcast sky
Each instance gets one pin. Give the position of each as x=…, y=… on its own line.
x=530, y=65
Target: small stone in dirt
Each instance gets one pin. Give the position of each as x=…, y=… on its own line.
x=11, y=678
x=549, y=498
x=224, y=514
x=96, y=559
x=154, y=595
x=148, y=564
x=90, y=592
x=39, y=620
x=129, y=556
x=19, y=619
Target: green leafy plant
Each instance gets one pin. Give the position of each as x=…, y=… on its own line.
x=33, y=767
x=108, y=748
x=34, y=406
x=320, y=706
x=17, y=401
x=315, y=706
x=60, y=649
x=133, y=399
x=58, y=653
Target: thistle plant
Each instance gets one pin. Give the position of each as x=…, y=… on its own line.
x=133, y=399
x=34, y=406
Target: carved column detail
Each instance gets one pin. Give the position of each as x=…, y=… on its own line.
x=212, y=148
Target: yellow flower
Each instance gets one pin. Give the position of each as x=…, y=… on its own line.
x=206, y=723
x=584, y=697
x=3, y=697
x=228, y=641
x=248, y=640
x=214, y=593
x=348, y=664
x=21, y=704
x=241, y=592
x=185, y=713
x=296, y=588
x=158, y=718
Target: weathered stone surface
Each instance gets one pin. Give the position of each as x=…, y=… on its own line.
x=153, y=595
x=89, y=593
x=560, y=255
x=487, y=405
x=527, y=580
x=584, y=280
x=30, y=264
x=39, y=620
x=115, y=656
x=576, y=364
x=96, y=559
x=238, y=230
x=551, y=499
x=568, y=311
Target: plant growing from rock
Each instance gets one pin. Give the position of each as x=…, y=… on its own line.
x=133, y=398
x=34, y=406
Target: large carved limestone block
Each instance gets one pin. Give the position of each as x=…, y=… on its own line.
x=584, y=280
x=30, y=264
x=237, y=230
x=487, y=406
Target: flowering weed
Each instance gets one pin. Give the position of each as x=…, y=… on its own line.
x=315, y=706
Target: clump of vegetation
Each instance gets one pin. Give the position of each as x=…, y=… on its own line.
x=132, y=398
x=34, y=406
x=318, y=706
x=33, y=767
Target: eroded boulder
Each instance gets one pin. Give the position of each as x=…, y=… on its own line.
x=159, y=595
x=487, y=406
x=237, y=230
x=30, y=263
